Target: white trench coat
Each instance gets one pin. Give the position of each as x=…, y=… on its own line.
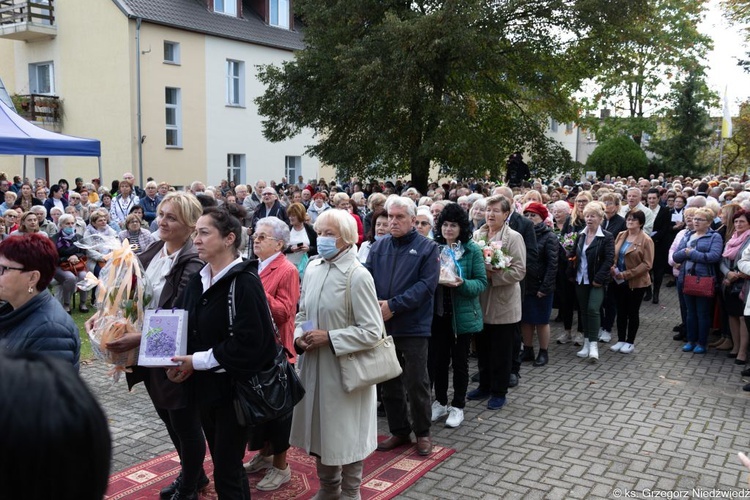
x=341, y=428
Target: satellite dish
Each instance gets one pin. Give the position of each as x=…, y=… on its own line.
x=5, y=97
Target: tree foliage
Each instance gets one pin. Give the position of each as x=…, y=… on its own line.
x=391, y=87
x=660, y=42
x=618, y=156
x=688, y=128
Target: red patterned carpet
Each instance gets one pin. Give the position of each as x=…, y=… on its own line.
x=386, y=474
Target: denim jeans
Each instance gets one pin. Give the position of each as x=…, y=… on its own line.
x=699, y=314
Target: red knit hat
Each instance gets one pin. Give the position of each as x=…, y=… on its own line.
x=538, y=209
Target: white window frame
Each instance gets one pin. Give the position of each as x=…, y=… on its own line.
x=229, y=7
x=235, y=92
x=34, y=69
x=278, y=13
x=177, y=126
x=296, y=167
x=236, y=168
x=175, y=52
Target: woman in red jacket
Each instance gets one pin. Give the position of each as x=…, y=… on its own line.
x=280, y=280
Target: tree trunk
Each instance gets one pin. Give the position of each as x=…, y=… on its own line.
x=420, y=173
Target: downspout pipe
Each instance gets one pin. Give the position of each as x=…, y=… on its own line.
x=138, y=98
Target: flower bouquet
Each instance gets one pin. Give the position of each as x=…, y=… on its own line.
x=122, y=295
x=494, y=254
x=568, y=242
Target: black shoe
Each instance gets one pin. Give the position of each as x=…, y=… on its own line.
x=513, y=380
x=746, y=372
x=527, y=354
x=655, y=300
x=542, y=359
x=170, y=491
x=558, y=318
x=677, y=328
x=648, y=296
x=680, y=336
x=671, y=284
x=475, y=377
x=185, y=496
x=746, y=388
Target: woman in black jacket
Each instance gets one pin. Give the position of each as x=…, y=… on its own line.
x=595, y=252
x=537, y=301
x=220, y=350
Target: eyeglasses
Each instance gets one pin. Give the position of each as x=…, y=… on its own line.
x=696, y=219
x=3, y=269
x=262, y=237
x=422, y=223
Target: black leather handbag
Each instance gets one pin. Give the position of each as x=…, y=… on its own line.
x=269, y=394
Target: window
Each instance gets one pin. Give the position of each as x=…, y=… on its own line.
x=553, y=125
x=228, y=7
x=235, y=83
x=42, y=78
x=235, y=167
x=569, y=128
x=293, y=167
x=173, y=110
x=171, y=52
x=279, y=13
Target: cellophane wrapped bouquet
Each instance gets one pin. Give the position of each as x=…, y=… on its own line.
x=494, y=254
x=568, y=242
x=450, y=271
x=122, y=295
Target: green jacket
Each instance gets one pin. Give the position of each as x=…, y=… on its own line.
x=467, y=312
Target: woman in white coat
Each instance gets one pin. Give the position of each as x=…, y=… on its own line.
x=339, y=429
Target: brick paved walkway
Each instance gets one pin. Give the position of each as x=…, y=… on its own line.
x=658, y=419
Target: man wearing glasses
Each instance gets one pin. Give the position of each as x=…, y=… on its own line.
x=270, y=207
x=633, y=197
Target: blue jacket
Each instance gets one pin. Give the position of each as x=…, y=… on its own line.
x=149, y=207
x=406, y=272
x=40, y=325
x=704, y=257
x=49, y=204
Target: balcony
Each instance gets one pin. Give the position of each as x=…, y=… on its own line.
x=27, y=20
x=43, y=110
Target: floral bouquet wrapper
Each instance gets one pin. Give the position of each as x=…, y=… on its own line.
x=494, y=254
x=122, y=294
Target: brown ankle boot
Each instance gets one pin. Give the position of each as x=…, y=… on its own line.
x=727, y=345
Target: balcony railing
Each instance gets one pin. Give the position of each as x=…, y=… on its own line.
x=39, y=108
x=27, y=19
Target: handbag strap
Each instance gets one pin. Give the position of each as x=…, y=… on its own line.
x=233, y=314
x=348, y=295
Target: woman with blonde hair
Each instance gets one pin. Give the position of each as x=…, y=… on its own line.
x=29, y=225
x=338, y=314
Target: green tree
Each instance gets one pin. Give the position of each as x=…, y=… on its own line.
x=618, y=156
x=391, y=87
x=652, y=49
x=688, y=127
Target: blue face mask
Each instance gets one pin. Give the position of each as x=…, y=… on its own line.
x=68, y=231
x=327, y=246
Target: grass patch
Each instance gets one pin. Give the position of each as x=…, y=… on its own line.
x=80, y=318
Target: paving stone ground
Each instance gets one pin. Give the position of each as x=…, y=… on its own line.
x=658, y=419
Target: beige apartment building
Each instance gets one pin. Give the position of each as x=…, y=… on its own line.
x=167, y=86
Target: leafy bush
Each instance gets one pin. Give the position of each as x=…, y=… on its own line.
x=618, y=156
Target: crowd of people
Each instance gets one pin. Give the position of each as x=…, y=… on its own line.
x=326, y=269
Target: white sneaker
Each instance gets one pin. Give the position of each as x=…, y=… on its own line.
x=617, y=347
x=258, y=463
x=274, y=478
x=604, y=335
x=584, y=353
x=455, y=417
x=593, y=352
x=627, y=349
x=578, y=339
x=565, y=338
x=438, y=411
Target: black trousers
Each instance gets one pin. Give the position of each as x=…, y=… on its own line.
x=609, y=308
x=414, y=381
x=628, y=307
x=495, y=356
x=184, y=428
x=660, y=266
x=226, y=440
x=447, y=348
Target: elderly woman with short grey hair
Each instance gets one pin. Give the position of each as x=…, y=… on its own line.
x=280, y=280
x=71, y=265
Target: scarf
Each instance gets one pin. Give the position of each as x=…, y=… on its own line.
x=734, y=244
x=65, y=241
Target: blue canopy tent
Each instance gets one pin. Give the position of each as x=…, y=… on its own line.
x=21, y=137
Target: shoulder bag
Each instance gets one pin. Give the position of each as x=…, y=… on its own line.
x=698, y=286
x=271, y=393
x=368, y=367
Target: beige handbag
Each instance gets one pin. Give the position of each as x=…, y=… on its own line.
x=372, y=366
